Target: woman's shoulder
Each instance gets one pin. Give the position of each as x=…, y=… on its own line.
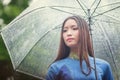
x=104, y=66
x=98, y=60
x=101, y=62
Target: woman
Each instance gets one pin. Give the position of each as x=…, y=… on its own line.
x=75, y=59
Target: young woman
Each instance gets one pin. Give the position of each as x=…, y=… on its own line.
x=75, y=60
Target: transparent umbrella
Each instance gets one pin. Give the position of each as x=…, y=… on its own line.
x=32, y=38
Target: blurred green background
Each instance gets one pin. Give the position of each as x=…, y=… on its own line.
x=10, y=9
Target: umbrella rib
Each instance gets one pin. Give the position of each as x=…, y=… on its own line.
x=52, y=7
x=105, y=21
x=107, y=11
x=81, y=7
x=8, y=50
x=111, y=51
x=104, y=46
x=101, y=34
x=84, y=4
x=93, y=3
x=109, y=17
x=96, y=7
x=61, y=10
x=110, y=47
x=66, y=7
x=109, y=4
x=112, y=18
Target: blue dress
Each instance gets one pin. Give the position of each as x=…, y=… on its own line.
x=69, y=69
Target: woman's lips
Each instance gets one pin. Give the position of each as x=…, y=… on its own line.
x=70, y=39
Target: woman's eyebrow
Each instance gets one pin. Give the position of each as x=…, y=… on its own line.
x=73, y=26
x=66, y=27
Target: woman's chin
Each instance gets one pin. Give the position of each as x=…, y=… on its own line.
x=72, y=45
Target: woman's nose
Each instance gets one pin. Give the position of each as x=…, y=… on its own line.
x=69, y=33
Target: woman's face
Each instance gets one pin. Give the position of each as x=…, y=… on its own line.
x=71, y=33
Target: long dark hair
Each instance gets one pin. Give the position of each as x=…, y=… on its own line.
x=85, y=46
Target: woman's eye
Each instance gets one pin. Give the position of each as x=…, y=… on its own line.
x=64, y=30
x=75, y=28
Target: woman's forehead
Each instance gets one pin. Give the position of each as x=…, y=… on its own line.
x=70, y=22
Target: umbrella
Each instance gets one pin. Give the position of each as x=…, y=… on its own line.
x=32, y=38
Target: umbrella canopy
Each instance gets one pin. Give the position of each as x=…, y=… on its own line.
x=32, y=39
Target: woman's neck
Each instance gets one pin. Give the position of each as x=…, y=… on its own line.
x=74, y=53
